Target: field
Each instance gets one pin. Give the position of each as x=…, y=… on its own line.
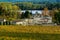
x=17, y=32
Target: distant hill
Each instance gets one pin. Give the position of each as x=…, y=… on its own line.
x=29, y=0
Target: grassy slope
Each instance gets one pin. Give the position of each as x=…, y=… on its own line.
x=29, y=32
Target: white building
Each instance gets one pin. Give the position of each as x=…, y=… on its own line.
x=19, y=22
x=29, y=21
x=43, y=18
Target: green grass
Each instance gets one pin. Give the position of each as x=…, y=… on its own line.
x=29, y=33
x=29, y=36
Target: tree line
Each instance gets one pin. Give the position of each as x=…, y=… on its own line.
x=37, y=6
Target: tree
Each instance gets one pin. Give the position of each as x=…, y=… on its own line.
x=8, y=11
x=56, y=16
x=46, y=12
x=27, y=14
x=22, y=15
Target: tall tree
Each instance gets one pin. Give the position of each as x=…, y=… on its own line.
x=56, y=16
x=9, y=11
x=27, y=14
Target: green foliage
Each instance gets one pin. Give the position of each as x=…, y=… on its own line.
x=29, y=5
x=37, y=6
x=27, y=14
x=57, y=16
x=8, y=11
